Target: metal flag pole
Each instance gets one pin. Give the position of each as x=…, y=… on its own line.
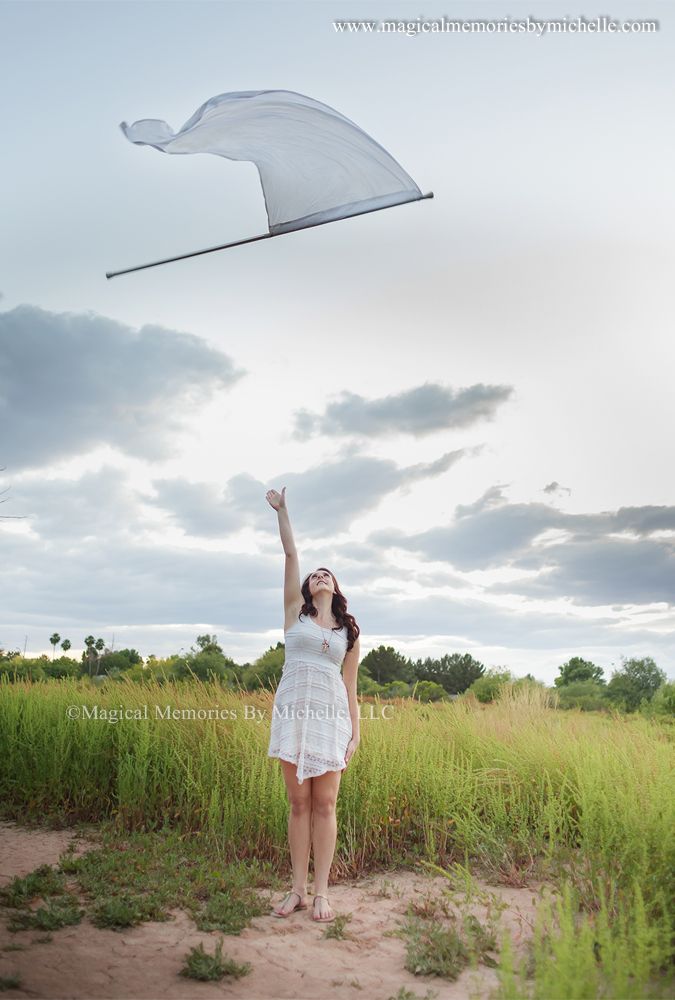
x=254, y=239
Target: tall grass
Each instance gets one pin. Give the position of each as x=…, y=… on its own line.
x=514, y=786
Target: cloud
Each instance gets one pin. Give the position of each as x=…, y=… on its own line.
x=98, y=504
x=161, y=595
x=419, y=411
x=603, y=570
x=201, y=509
x=70, y=382
x=599, y=561
x=488, y=533
x=327, y=497
x=555, y=487
x=644, y=520
x=118, y=579
x=91, y=566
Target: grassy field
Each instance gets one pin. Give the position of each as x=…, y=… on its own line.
x=511, y=791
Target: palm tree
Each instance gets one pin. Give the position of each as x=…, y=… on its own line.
x=55, y=640
x=89, y=643
x=65, y=645
x=99, y=646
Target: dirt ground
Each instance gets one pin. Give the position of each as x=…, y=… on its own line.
x=290, y=958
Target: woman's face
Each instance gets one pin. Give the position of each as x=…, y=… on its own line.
x=321, y=581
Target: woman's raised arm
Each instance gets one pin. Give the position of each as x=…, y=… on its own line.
x=293, y=599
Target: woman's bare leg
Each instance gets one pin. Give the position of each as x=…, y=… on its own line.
x=299, y=830
x=324, y=834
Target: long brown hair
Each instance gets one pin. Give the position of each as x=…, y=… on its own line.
x=338, y=607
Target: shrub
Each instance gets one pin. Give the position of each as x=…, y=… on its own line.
x=487, y=687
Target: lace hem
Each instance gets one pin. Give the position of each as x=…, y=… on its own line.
x=311, y=765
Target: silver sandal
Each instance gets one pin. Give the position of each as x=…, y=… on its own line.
x=321, y=920
x=300, y=905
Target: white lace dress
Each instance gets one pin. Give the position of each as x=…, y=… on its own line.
x=311, y=725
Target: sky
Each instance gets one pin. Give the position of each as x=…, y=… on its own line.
x=468, y=398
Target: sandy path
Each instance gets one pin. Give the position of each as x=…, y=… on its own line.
x=290, y=958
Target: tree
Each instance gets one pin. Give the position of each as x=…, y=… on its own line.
x=663, y=702
x=121, y=659
x=637, y=679
x=88, y=656
x=208, y=644
x=576, y=670
x=385, y=665
x=455, y=672
x=267, y=669
x=62, y=666
x=65, y=645
x=55, y=639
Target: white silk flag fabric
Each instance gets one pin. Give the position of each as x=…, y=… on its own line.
x=315, y=165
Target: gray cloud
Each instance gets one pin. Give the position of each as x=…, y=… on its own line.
x=201, y=509
x=422, y=410
x=118, y=579
x=643, y=520
x=99, y=504
x=72, y=381
x=592, y=566
x=327, y=497
x=602, y=571
x=485, y=534
x=555, y=487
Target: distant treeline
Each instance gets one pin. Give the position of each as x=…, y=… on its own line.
x=637, y=685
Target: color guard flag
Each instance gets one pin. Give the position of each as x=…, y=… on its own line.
x=315, y=165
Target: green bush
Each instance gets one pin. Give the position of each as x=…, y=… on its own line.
x=663, y=702
x=428, y=691
x=487, y=687
x=397, y=689
x=589, y=696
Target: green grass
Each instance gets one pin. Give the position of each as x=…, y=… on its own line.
x=43, y=881
x=57, y=912
x=508, y=791
x=141, y=877
x=439, y=949
x=614, y=953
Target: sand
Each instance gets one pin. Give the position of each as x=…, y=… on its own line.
x=290, y=957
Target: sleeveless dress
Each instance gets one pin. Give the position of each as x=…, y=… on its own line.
x=311, y=725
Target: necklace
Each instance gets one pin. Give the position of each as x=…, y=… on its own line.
x=325, y=645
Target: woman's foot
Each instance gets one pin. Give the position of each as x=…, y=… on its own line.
x=321, y=910
x=293, y=900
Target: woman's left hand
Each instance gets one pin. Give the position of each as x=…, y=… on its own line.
x=351, y=747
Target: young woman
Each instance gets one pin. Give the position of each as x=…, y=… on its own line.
x=315, y=716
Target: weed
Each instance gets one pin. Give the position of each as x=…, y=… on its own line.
x=59, y=911
x=200, y=965
x=43, y=881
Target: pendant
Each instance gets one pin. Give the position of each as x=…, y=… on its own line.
x=325, y=646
